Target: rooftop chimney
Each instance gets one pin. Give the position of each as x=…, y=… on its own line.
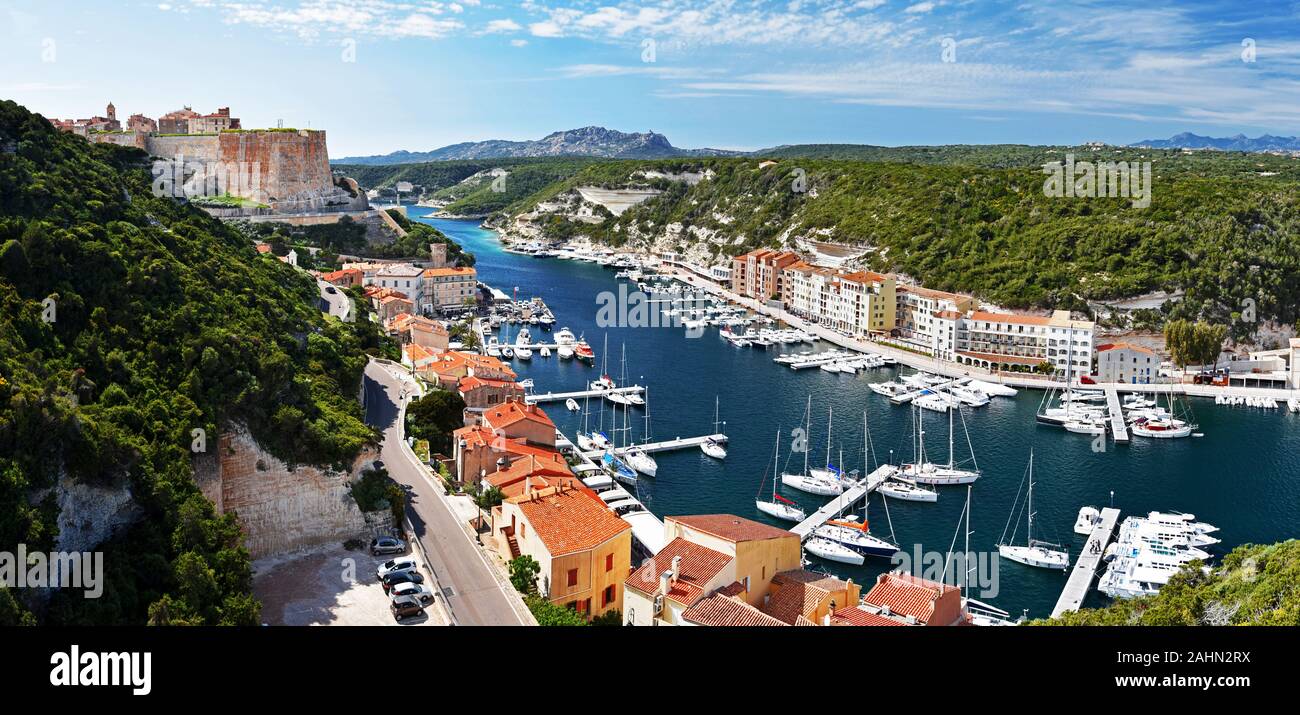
x=677, y=567
x=665, y=579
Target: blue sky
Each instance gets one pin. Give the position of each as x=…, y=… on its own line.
x=714, y=73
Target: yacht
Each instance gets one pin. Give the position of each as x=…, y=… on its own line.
x=583, y=352
x=1087, y=520
x=617, y=467
x=493, y=347
x=1161, y=428
x=780, y=507
x=1035, y=552
x=823, y=482
x=564, y=342
x=969, y=396
x=889, y=389
x=1085, y=425
x=904, y=490
x=641, y=461
x=710, y=446
x=855, y=535
x=833, y=551
x=922, y=471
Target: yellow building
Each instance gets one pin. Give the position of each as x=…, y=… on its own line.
x=724, y=570
x=584, y=550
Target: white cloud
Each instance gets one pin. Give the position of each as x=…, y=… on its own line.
x=503, y=26
x=919, y=8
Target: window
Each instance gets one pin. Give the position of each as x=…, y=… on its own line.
x=609, y=562
x=573, y=577
x=607, y=597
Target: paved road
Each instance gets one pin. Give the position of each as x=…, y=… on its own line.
x=340, y=304
x=476, y=596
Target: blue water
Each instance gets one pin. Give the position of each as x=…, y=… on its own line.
x=1242, y=475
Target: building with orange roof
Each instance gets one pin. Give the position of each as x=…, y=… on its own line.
x=346, y=278
x=417, y=358
x=859, y=303
x=516, y=419
x=477, y=452
x=758, y=274
x=451, y=366
x=390, y=306
x=429, y=333
x=532, y=472
x=912, y=600
x=1002, y=341
x=705, y=553
x=1126, y=362
x=584, y=550
x=483, y=392
x=450, y=287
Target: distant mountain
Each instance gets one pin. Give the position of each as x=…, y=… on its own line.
x=1240, y=142
x=587, y=141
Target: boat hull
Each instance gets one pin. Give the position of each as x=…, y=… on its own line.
x=1035, y=556
x=812, y=486
x=893, y=491
x=784, y=512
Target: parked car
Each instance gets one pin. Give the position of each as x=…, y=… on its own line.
x=405, y=563
x=400, y=577
x=418, y=591
x=387, y=545
x=331, y=289
x=404, y=606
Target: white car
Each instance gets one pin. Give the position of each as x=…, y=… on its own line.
x=405, y=563
x=418, y=591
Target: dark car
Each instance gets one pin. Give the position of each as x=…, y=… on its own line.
x=387, y=545
x=393, y=579
x=331, y=289
x=404, y=606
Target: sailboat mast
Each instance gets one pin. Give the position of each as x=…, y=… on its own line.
x=807, y=429
x=965, y=557
x=1029, y=533
x=950, y=425
x=829, y=411
x=776, y=463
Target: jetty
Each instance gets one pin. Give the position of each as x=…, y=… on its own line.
x=1118, y=427
x=843, y=502
x=664, y=446
x=1085, y=568
x=561, y=396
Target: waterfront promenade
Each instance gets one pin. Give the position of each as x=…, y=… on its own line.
x=950, y=369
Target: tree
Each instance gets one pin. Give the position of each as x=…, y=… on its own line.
x=1194, y=343
x=550, y=614
x=523, y=574
x=434, y=417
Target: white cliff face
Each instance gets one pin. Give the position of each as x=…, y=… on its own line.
x=91, y=514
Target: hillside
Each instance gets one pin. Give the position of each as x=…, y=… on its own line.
x=165, y=321
x=1254, y=586
x=586, y=141
x=1238, y=142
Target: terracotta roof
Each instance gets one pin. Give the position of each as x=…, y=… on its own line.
x=855, y=616
x=932, y=293
x=719, y=610
x=906, y=595
x=263, y=248
x=731, y=528
x=698, y=567
x=514, y=411
x=800, y=592
x=1011, y=318
x=468, y=384
x=448, y=271
x=422, y=323
x=548, y=470
x=570, y=521
x=1126, y=346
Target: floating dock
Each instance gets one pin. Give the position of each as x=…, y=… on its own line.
x=1118, y=427
x=560, y=396
x=665, y=446
x=1085, y=568
x=843, y=502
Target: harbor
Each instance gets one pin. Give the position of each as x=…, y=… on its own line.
x=1085, y=566
x=759, y=397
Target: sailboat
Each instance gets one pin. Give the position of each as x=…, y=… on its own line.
x=638, y=458
x=833, y=551
x=904, y=489
x=825, y=482
x=779, y=507
x=1035, y=552
x=855, y=535
x=925, y=472
x=712, y=447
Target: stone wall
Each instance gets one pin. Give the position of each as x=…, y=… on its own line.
x=280, y=509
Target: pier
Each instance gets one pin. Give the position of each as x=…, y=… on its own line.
x=1085, y=568
x=560, y=396
x=665, y=446
x=843, y=502
x=1118, y=427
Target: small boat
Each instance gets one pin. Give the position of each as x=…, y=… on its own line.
x=641, y=461
x=713, y=448
x=583, y=352
x=523, y=353
x=1080, y=425
x=507, y=352
x=1089, y=517
x=833, y=551
x=544, y=352
x=1035, y=552
x=855, y=535
x=572, y=404
x=904, y=490
x=617, y=467
x=889, y=389
x=526, y=383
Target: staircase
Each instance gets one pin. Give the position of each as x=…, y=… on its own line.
x=514, y=545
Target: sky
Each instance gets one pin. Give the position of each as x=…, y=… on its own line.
x=384, y=75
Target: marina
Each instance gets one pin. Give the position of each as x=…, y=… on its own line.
x=760, y=396
x=1085, y=567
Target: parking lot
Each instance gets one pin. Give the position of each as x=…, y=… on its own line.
x=330, y=587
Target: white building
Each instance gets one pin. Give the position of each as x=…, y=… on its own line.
x=402, y=277
x=1001, y=341
x=1126, y=362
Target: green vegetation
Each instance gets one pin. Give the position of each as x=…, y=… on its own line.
x=375, y=490
x=523, y=574
x=1194, y=343
x=1254, y=586
x=417, y=240
x=550, y=614
x=164, y=321
x=434, y=417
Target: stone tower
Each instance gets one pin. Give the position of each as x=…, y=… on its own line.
x=112, y=111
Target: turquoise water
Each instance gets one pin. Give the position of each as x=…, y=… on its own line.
x=1242, y=475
